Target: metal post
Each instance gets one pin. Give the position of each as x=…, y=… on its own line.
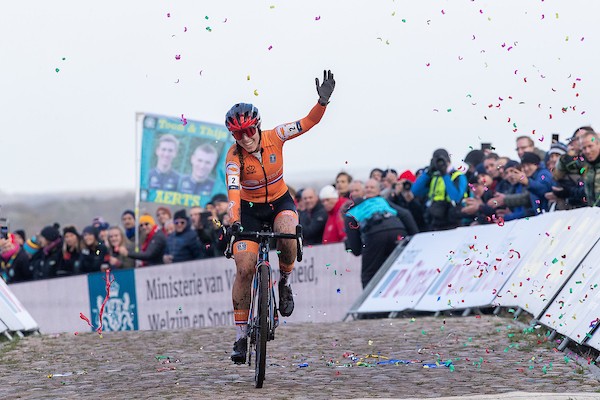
x=552, y=335
x=563, y=344
x=466, y=312
x=518, y=312
x=497, y=310
x=437, y=314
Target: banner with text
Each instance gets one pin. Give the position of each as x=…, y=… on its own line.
x=182, y=161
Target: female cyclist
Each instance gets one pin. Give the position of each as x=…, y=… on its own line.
x=257, y=194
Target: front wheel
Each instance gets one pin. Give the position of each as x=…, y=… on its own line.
x=262, y=330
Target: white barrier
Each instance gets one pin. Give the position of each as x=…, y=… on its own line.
x=192, y=294
x=546, y=265
x=13, y=316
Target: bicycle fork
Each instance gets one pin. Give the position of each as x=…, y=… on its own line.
x=253, y=320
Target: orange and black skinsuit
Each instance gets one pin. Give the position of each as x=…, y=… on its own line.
x=258, y=187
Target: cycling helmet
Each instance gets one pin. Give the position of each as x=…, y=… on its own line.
x=242, y=116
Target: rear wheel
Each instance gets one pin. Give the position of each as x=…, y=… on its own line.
x=262, y=330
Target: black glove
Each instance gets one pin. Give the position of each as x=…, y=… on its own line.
x=326, y=88
x=230, y=234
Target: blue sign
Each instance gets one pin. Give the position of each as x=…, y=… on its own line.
x=182, y=161
x=120, y=310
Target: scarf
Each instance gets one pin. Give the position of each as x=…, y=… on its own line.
x=149, y=237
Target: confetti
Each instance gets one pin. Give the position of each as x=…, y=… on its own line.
x=177, y=56
x=255, y=92
x=168, y=15
x=317, y=18
x=270, y=47
x=183, y=119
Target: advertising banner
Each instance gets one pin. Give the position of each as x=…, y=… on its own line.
x=119, y=313
x=55, y=304
x=182, y=161
x=411, y=274
x=576, y=309
x=474, y=273
x=562, y=239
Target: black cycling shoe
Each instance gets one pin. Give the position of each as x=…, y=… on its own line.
x=240, y=348
x=286, y=299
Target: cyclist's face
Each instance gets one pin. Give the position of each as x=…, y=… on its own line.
x=249, y=143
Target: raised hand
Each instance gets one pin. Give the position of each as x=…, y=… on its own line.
x=326, y=88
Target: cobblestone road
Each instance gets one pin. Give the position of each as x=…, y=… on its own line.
x=489, y=354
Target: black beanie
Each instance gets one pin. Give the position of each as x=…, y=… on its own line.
x=50, y=233
x=90, y=230
x=180, y=215
x=70, y=229
x=530, y=158
x=128, y=212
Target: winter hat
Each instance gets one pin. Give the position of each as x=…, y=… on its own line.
x=557, y=148
x=441, y=153
x=474, y=157
x=180, y=215
x=70, y=229
x=90, y=230
x=51, y=233
x=530, y=158
x=511, y=164
x=130, y=212
x=408, y=175
x=164, y=209
x=219, y=198
x=31, y=246
x=21, y=233
x=328, y=192
x=147, y=219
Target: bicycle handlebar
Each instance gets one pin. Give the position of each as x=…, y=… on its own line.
x=263, y=235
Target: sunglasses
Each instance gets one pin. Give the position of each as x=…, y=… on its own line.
x=180, y=222
x=145, y=224
x=239, y=135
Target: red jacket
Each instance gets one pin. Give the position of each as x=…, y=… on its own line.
x=334, y=227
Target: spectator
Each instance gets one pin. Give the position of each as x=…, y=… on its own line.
x=342, y=184
x=101, y=229
x=162, y=176
x=128, y=222
x=374, y=228
x=556, y=150
x=94, y=254
x=221, y=204
x=206, y=232
x=525, y=144
x=183, y=244
x=32, y=246
x=298, y=200
x=475, y=210
x=377, y=174
x=402, y=196
x=357, y=190
x=389, y=180
x=163, y=216
x=513, y=177
x=49, y=260
x=116, y=239
x=154, y=245
x=568, y=174
x=590, y=147
x=20, y=237
x=203, y=160
x=445, y=188
x=474, y=159
x=313, y=219
x=334, y=226
x=71, y=251
x=13, y=260
x=537, y=180
x=492, y=169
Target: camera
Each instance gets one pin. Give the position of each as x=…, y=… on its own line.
x=406, y=185
x=441, y=164
x=3, y=228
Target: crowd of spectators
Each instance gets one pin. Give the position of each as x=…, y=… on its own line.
x=369, y=216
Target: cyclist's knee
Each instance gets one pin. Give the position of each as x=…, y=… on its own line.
x=286, y=221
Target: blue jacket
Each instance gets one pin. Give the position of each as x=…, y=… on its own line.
x=184, y=246
x=517, y=212
x=540, y=183
x=421, y=186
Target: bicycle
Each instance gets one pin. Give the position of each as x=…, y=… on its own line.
x=263, y=317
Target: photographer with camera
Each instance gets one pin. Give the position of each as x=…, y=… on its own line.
x=445, y=188
x=402, y=196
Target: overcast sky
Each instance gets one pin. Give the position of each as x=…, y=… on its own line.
x=411, y=76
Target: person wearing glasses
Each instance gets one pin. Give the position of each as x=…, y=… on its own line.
x=183, y=244
x=257, y=193
x=154, y=245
